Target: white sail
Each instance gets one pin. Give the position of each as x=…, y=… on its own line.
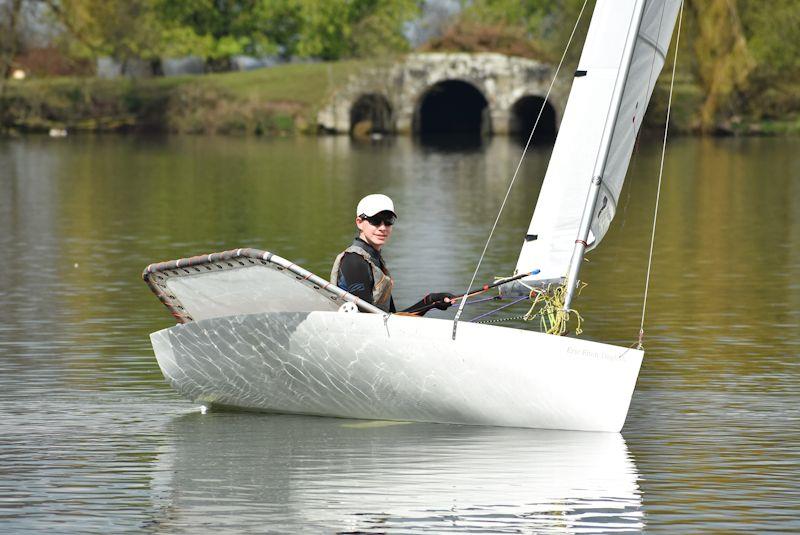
x=603, y=79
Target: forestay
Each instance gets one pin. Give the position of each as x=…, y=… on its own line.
x=589, y=119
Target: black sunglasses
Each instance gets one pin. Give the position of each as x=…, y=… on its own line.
x=377, y=219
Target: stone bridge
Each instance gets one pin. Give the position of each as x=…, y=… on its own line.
x=446, y=93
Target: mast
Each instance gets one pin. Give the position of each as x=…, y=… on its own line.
x=625, y=49
x=600, y=164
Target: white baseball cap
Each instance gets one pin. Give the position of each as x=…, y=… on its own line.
x=374, y=204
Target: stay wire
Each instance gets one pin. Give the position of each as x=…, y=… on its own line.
x=514, y=302
x=516, y=171
x=660, y=176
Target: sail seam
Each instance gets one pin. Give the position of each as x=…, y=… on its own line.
x=654, y=44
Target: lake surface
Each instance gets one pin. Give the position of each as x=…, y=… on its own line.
x=93, y=440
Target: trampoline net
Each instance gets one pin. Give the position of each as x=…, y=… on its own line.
x=241, y=281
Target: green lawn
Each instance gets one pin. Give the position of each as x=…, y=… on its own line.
x=263, y=101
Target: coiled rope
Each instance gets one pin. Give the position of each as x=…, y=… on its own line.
x=516, y=171
x=548, y=305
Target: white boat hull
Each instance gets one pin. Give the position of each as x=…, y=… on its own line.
x=371, y=366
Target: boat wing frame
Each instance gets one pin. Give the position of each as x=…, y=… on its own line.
x=157, y=274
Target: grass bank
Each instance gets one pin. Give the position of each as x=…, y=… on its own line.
x=276, y=101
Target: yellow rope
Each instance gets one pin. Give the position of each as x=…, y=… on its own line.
x=548, y=305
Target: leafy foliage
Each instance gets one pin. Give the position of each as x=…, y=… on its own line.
x=325, y=29
x=123, y=30
x=541, y=25
x=467, y=36
x=743, y=55
x=737, y=56
x=772, y=29
x=220, y=29
x=336, y=29
x=721, y=56
x=215, y=29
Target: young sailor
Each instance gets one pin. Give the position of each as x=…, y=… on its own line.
x=360, y=268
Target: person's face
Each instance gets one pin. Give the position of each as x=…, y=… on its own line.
x=375, y=230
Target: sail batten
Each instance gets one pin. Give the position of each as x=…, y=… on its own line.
x=598, y=130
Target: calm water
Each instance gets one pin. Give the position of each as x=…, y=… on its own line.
x=92, y=439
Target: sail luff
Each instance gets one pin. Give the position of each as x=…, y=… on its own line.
x=581, y=242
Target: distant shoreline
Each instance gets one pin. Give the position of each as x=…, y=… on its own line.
x=273, y=102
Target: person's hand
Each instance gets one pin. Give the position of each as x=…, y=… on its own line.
x=441, y=300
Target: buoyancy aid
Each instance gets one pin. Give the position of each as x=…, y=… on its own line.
x=382, y=282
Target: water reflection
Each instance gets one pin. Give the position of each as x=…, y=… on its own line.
x=243, y=470
x=88, y=435
x=452, y=143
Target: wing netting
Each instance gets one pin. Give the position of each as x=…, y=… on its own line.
x=242, y=281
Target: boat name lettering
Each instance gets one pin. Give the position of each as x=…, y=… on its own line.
x=589, y=353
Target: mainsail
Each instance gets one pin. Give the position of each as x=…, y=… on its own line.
x=625, y=49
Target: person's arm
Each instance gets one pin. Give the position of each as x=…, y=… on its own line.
x=355, y=277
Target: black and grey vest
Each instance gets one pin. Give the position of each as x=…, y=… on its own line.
x=382, y=282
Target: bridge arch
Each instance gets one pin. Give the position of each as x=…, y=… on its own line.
x=371, y=113
x=452, y=107
x=411, y=87
x=523, y=116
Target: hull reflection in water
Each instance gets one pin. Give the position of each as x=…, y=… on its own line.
x=284, y=473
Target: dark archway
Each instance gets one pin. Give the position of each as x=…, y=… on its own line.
x=523, y=117
x=452, y=108
x=371, y=114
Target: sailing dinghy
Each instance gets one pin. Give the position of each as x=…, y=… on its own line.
x=258, y=332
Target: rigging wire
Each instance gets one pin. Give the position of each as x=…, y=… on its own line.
x=519, y=165
x=660, y=175
x=517, y=300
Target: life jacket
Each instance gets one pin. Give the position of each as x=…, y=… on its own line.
x=382, y=282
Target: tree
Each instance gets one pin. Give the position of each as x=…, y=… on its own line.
x=772, y=30
x=325, y=29
x=216, y=29
x=542, y=25
x=336, y=29
x=722, y=60
x=122, y=29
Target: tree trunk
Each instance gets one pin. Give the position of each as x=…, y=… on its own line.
x=724, y=62
x=9, y=40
